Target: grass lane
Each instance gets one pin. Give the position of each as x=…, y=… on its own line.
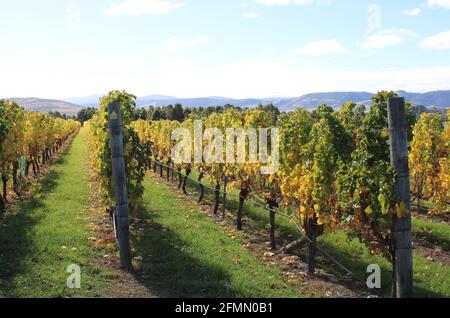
x=428, y=275
x=49, y=232
x=432, y=234
x=185, y=254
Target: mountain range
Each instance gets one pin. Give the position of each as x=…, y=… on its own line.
x=439, y=99
x=47, y=105
x=71, y=106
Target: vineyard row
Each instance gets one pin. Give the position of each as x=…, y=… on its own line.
x=27, y=140
x=335, y=171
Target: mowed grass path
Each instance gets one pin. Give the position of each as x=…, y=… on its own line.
x=49, y=232
x=185, y=254
x=429, y=276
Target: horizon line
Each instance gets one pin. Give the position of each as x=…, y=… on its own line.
x=226, y=97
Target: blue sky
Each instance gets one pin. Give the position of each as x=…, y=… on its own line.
x=234, y=48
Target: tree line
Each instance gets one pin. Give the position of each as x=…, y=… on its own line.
x=179, y=112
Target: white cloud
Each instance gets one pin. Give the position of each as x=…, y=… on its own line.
x=174, y=44
x=142, y=7
x=384, y=38
x=27, y=58
x=73, y=16
x=251, y=15
x=261, y=76
x=320, y=48
x=175, y=62
x=288, y=2
x=412, y=12
x=439, y=41
x=439, y=3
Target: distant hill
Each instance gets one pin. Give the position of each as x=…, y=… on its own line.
x=93, y=100
x=157, y=97
x=335, y=99
x=71, y=106
x=88, y=101
x=154, y=100
x=437, y=99
x=47, y=105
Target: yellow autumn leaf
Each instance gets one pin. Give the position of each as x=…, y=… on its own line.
x=369, y=210
x=321, y=220
x=401, y=210
x=303, y=210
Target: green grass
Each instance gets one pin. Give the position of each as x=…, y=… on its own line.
x=428, y=276
x=49, y=232
x=424, y=206
x=185, y=254
x=432, y=234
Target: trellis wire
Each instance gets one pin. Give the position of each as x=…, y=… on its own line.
x=290, y=217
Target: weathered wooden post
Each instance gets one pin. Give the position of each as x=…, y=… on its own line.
x=173, y=171
x=402, y=236
x=120, y=185
x=224, y=207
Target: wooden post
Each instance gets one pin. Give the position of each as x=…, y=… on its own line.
x=120, y=185
x=273, y=243
x=402, y=236
x=173, y=171
x=224, y=207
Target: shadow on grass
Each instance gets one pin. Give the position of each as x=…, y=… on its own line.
x=259, y=220
x=169, y=271
x=431, y=239
x=257, y=217
x=358, y=265
x=16, y=234
x=16, y=230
